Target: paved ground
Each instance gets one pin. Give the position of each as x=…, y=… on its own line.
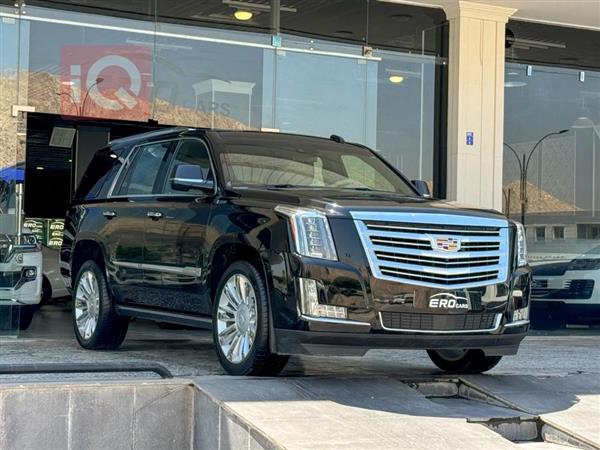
x=191, y=352
x=354, y=402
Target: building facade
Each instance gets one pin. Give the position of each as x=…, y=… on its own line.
x=451, y=92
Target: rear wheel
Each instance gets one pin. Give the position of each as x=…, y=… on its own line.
x=95, y=322
x=463, y=361
x=241, y=323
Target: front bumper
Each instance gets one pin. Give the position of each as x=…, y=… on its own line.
x=490, y=323
x=357, y=344
x=15, y=287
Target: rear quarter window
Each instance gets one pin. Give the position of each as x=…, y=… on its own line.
x=100, y=174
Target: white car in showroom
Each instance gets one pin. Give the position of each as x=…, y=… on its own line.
x=567, y=291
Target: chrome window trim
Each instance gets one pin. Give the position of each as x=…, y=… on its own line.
x=496, y=327
x=131, y=157
x=187, y=270
x=471, y=276
x=210, y=160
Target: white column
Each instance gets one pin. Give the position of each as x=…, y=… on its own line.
x=476, y=102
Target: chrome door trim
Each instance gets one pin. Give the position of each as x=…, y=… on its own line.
x=496, y=327
x=187, y=270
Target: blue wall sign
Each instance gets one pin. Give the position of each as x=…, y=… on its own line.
x=469, y=138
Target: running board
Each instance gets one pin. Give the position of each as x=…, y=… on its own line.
x=158, y=315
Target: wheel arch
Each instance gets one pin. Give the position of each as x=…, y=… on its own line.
x=84, y=250
x=228, y=252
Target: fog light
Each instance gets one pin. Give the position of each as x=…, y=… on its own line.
x=521, y=306
x=520, y=314
x=309, y=302
x=30, y=273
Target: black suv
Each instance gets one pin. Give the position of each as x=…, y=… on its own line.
x=285, y=244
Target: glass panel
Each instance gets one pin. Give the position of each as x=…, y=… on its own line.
x=11, y=157
x=404, y=120
x=540, y=43
x=142, y=176
x=209, y=78
x=224, y=14
x=552, y=118
x=322, y=95
x=94, y=66
x=309, y=163
x=309, y=26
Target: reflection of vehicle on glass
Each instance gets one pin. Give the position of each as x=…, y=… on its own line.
x=286, y=244
x=53, y=285
x=20, y=275
x=20, y=258
x=568, y=291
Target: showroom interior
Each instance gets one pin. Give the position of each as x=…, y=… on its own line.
x=381, y=75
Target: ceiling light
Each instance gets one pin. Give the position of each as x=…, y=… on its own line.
x=396, y=79
x=39, y=168
x=242, y=15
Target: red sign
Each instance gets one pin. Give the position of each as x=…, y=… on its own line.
x=106, y=81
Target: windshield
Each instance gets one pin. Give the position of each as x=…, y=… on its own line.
x=309, y=163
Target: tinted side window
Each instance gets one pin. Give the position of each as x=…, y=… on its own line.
x=142, y=176
x=190, y=152
x=99, y=174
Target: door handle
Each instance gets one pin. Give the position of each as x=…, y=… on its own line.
x=154, y=215
x=109, y=214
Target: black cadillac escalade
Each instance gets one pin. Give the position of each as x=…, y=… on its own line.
x=285, y=244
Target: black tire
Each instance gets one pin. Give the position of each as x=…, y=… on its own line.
x=473, y=361
x=111, y=328
x=46, y=291
x=259, y=361
x=26, y=313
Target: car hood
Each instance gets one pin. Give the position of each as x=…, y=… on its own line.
x=339, y=202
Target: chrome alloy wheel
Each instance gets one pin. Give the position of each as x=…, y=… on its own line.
x=87, y=304
x=236, y=318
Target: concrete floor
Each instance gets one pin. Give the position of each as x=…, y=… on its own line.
x=191, y=352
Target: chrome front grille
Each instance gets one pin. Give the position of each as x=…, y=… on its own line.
x=435, y=250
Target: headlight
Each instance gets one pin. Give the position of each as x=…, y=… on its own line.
x=521, y=245
x=28, y=239
x=28, y=243
x=310, y=229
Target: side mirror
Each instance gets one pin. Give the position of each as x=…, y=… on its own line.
x=189, y=176
x=422, y=188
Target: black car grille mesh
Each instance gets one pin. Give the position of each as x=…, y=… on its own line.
x=437, y=322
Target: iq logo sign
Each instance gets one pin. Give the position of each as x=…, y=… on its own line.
x=106, y=81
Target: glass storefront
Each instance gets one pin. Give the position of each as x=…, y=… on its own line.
x=556, y=110
x=369, y=76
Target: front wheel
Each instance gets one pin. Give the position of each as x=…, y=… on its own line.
x=95, y=322
x=241, y=323
x=463, y=361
